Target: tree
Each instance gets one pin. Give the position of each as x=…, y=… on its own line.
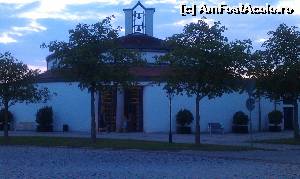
x=257, y=69
x=17, y=84
x=203, y=63
x=93, y=57
x=280, y=62
x=170, y=91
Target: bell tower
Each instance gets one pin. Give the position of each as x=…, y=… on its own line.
x=139, y=20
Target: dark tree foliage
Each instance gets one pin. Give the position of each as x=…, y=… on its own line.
x=277, y=68
x=17, y=84
x=93, y=57
x=202, y=63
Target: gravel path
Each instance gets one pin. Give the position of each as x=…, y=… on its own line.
x=38, y=162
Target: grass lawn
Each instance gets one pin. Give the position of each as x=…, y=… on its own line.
x=116, y=144
x=288, y=141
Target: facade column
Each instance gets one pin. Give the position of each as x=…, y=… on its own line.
x=120, y=110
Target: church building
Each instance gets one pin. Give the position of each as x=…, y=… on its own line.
x=146, y=104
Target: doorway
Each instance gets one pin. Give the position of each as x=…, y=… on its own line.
x=288, y=115
x=133, y=109
x=107, y=111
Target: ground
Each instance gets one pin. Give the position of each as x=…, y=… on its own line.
x=226, y=139
x=39, y=162
x=282, y=161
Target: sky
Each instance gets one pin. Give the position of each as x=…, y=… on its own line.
x=26, y=24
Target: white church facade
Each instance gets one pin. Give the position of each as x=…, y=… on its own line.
x=147, y=103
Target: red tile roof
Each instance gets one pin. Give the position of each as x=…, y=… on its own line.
x=146, y=73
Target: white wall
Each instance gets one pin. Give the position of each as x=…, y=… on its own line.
x=71, y=106
x=52, y=64
x=150, y=57
x=221, y=109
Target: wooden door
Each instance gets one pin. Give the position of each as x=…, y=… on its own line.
x=133, y=109
x=108, y=110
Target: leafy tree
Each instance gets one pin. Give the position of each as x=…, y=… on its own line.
x=280, y=63
x=203, y=63
x=17, y=84
x=93, y=57
x=257, y=69
x=170, y=90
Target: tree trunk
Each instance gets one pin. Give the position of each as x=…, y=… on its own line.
x=170, y=118
x=93, y=122
x=296, y=123
x=5, y=127
x=259, y=113
x=197, y=129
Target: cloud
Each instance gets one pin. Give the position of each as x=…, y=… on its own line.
x=10, y=35
x=74, y=16
x=17, y=1
x=176, y=4
x=31, y=27
x=210, y=22
x=183, y=2
x=59, y=9
x=261, y=40
x=294, y=4
x=34, y=10
x=38, y=67
x=5, y=38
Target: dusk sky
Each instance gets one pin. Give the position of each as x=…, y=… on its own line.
x=26, y=24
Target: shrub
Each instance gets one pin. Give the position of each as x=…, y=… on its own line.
x=184, y=117
x=240, y=118
x=275, y=117
x=44, y=118
x=10, y=116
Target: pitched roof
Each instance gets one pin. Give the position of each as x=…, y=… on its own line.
x=142, y=42
x=146, y=73
x=137, y=41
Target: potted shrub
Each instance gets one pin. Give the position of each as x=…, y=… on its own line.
x=65, y=128
x=275, y=119
x=240, y=122
x=10, y=119
x=44, y=118
x=183, y=119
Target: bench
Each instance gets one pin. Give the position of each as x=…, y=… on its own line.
x=215, y=127
x=26, y=126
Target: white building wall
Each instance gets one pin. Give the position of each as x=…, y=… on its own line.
x=70, y=106
x=150, y=57
x=221, y=109
x=52, y=64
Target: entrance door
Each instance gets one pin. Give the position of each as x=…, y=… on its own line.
x=288, y=114
x=133, y=109
x=107, y=111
